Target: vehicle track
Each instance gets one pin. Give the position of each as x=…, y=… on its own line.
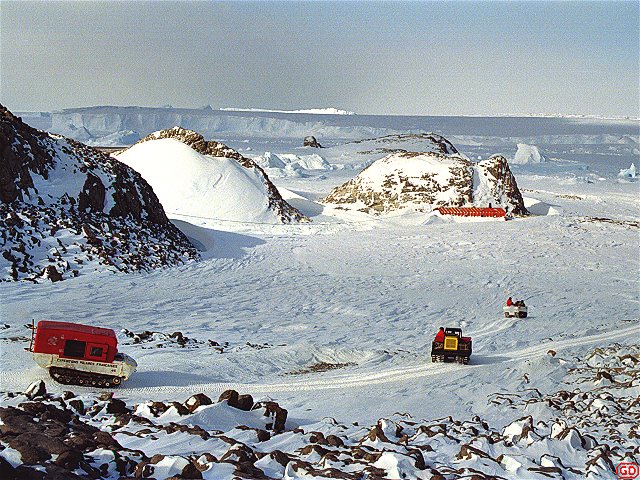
x=387, y=376
x=347, y=380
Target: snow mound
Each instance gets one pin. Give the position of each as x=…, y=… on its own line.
x=423, y=181
x=538, y=207
x=208, y=180
x=527, y=154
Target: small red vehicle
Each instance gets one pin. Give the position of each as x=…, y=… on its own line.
x=78, y=354
x=452, y=347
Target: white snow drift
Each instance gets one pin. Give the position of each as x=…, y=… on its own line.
x=190, y=184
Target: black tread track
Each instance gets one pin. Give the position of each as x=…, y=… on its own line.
x=67, y=376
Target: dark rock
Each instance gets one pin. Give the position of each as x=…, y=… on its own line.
x=6, y=470
x=92, y=196
x=69, y=459
x=51, y=445
x=314, y=447
x=334, y=441
x=280, y=457
x=46, y=411
x=81, y=441
x=104, y=439
x=66, y=395
x=310, y=141
x=182, y=410
x=317, y=437
x=239, y=453
x=263, y=435
x=231, y=396
x=245, y=402
x=29, y=454
x=191, y=471
x=24, y=472
x=376, y=433
x=241, y=402
x=197, y=400
x=277, y=413
x=77, y=405
x=116, y=405
x=37, y=388
x=51, y=273
x=249, y=470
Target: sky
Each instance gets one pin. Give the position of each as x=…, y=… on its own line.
x=395, y=58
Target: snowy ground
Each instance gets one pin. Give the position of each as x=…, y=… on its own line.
x=366, y=295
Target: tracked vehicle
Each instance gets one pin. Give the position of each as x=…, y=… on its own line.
x=453, y=347
x=78, y=354
x=518, y=309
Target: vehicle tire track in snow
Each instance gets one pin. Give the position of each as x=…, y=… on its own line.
x=352, y=380
x=387, y=376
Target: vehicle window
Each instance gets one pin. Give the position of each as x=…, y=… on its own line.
x=74, y=348
x=96, y=352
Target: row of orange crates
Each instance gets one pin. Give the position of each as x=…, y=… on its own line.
x=473, y=212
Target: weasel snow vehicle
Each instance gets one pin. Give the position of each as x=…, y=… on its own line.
x=453, y=347
x=518, y=309
x=78, y=354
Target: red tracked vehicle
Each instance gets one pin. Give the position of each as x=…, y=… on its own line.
x=78, y=354
x=451, y=347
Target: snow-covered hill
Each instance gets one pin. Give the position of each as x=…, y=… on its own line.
x=67, y=207
x=423, y=181
x=206, y=179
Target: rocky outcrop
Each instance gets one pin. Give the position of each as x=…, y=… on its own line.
x=423, y=181
x=400, y=143
x=497, y=184
x=276, y=203
x=66, y=207
x=310, y=141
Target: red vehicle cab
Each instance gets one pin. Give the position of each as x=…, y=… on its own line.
x=71, y=340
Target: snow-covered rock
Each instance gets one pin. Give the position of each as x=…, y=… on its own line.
x=67, y=207
x=207, y=179
x=528, y=154
x=310, y=141
x=628, y=172
x=290, y=165
x=423, y=181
